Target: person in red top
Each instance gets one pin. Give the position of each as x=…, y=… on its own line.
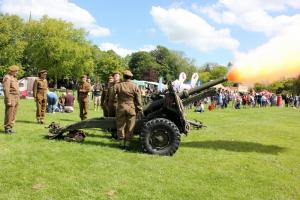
x=69, y=102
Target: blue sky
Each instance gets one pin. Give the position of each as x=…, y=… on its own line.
x=206, y=31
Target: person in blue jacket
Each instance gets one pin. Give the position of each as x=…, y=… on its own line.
x=52, y=102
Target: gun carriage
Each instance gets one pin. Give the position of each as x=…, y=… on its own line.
x=161, y=126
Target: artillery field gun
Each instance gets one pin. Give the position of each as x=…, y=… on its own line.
x=163, y=122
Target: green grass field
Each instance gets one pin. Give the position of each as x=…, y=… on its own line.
x=244, y=154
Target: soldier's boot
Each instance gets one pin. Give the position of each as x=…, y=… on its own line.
x=127, y=145
x=121, y=143
x=12, y=131
x=8, y=131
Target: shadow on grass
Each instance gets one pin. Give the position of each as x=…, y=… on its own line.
x=134, y=145
x=26, y=121
x=237, y=146
x=106, y=135
x=68, y=120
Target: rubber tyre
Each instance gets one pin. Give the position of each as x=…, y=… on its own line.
x=160, y=136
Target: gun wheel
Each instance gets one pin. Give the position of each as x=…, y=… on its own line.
x=160, y=136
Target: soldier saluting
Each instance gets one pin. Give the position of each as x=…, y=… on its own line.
x=129, y=105
x=82, y=95
x=40, y=89
x=11, y=98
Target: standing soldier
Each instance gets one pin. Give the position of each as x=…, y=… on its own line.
x=112, y=100
x=40, y=89
x=129, y=105
x=11, y=98
x=104, y=96
x=82, y=95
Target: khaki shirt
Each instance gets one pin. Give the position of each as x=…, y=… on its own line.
x=129, y=97
x=10, y=86
x=112, y=99
x=40, y=89
x=104, y=97
x=83, y=90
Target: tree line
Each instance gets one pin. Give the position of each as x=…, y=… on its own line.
x=64, y=50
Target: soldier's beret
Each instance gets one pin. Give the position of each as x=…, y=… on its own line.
x=128, y=73
x=116, y=72
x=13, y=68
x=43, y=71
x=83, y=76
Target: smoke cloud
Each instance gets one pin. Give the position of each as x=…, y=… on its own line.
x=277, y=59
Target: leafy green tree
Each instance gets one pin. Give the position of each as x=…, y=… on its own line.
x=212, y=71
x=204, y=76
x=12, y=43
x=179, y=63
x=171, y=63
x=296, y=86
x=218, y=72
x=162, y=57
x=141, y=61
x=106, y=62
x=57, y=46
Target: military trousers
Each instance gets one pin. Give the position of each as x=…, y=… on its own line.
x=105, y=110
x=112, y=110
x=41, y=108
x=83, y=107
x=11, y=107
x=125, y=125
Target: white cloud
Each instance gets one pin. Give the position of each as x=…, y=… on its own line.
x=62, y=9
x=182, y=26
x=123, y=51
x=147, y=48
x=252, y=15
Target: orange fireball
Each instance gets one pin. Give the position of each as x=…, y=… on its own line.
x=234, y=75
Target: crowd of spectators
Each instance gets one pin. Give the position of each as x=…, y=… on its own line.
x=238, y=100
x=223, y=99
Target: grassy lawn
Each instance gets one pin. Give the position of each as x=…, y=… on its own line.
x=244, y=154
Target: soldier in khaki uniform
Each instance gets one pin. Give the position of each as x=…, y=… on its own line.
x=82, y=95
x=40, y=89
x=104, y=96
x=129, y=105
x=112, y=100
x=11, y=98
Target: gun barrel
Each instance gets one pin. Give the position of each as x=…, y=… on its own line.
x=204, y=86
x=183, y=95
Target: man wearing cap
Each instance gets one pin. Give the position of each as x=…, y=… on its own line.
x=129, y=105
x=82, y=95
x=40, y=89
x=112, y=100
x=11, y=98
